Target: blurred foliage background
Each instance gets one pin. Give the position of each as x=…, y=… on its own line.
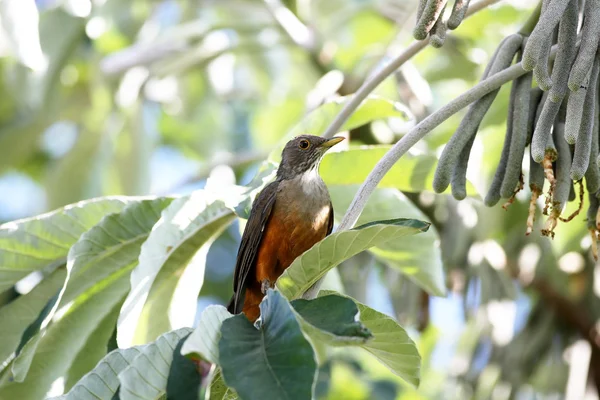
x=142, y=97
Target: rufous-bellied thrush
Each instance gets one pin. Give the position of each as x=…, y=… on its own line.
x=287, y=218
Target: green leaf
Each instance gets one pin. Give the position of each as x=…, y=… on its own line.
x=95, y=348
x=419, y=256
x=110, y=247
x=315, y=123
x=390, y=344
x=218, y=390
x=272, y=360
x=412, y=173
x=53, y=351
x=146, y=376
x=99, y=266
x=204, y=341
x=166, y=283
x=35, y=243
x=331, y=319
x=339, y=246
x=102, y=382
x=17, y=315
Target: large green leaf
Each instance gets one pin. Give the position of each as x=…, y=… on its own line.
x=204, y=341
x=315, y=123
x=99, y=265
x=412, y=173
x=147, y=375
x=331, y=320
x=166, y=283
x=102, y=382
x=390, y=344
x=34, y=243
x=57, y=347
x=16, y=316
x=339, y=246
x=272, y=360
x=419, y=256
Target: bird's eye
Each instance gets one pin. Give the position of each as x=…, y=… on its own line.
x=304, y=144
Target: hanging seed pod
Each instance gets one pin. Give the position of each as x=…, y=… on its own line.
x=431, y=12
x=575, y=111
x=493, y=195
x=581, y=158
x=420, y=8
x=541, y=71
x=567, y=45
x=592, y=175
x=520, y=93
x=459, y=176
x=438, y=33
x=543, y=129
x=458, y=13
x=551, y=15
x=536, y=103
x=470, y=123
x=590, y=35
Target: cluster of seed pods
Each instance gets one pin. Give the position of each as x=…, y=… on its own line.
x=553, y=114
x=430, y=19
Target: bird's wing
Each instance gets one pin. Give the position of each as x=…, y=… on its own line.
x=330, y=222
x=253, y=233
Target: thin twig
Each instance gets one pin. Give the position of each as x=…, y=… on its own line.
x=289, y=22
x=374, y=81
x=512, y=198
x=580, y=207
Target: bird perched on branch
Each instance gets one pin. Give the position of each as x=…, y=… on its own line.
x=288, y=217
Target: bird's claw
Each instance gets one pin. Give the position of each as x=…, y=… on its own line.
x=265, y=285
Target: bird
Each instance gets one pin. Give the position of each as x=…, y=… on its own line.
x=288, y=217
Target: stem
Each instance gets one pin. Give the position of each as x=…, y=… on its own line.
x=371, y=83
x=418, y=132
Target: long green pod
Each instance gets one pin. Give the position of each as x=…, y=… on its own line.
x=432, y=11
x=420, y=8
x=536, y=175
x=470, y=123
x=543, y=128
x=536, y=103
x=583, y=145
x=542, y=66
x=459, y=176
x=493, y=195
x=575, y=111
x=459, y=10
x=590, y=36
x=563, y=167
x=567, y=47
x=592, y=175
x=520, y=92
x=542, y=32
x=438, y=33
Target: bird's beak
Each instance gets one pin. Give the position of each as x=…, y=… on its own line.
x=332, y=142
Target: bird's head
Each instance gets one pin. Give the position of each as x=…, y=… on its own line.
x=303, y=153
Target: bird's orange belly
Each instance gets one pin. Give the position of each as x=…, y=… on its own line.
x=286, y=237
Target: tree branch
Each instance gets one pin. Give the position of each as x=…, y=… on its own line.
x=376, y=79
x=417, y=133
